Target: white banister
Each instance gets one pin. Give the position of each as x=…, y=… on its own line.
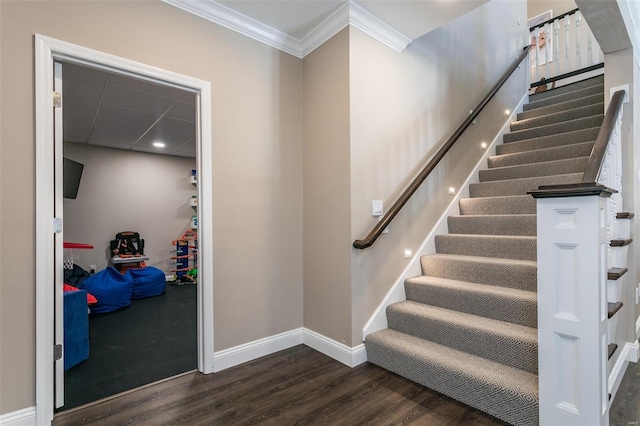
x=589, y=47
x=547, y=51
x=575, y=226
x=572, y=315
x=556, y=40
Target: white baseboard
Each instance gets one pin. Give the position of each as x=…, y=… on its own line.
x=24, y=417
x=378, y=320
x=638, y=328
x=629, y=354
x=350, y=357
x=258, y=348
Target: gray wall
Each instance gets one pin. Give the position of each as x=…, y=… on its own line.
x=256, y=161
x=128, y=191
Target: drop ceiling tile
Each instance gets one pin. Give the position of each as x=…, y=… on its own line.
x=114, y=137
x=136, y=100
x=77, y=118
x=154, y=89
x=176, y=126
x=110, y=116
x=83, y=82
x=183, y=111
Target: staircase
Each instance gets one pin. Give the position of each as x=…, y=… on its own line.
x=468, y=326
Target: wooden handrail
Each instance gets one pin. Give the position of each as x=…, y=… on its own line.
x=568, y=74
x=542, y=24
x=400, y=202
x=599, y=150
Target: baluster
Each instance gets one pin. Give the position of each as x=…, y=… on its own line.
x=567, y=55
x=589, y=48
x=578, y=51
x=556, y=45
x=537, y=54
x=547, y=51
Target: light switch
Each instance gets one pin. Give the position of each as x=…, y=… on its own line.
x=377, y=208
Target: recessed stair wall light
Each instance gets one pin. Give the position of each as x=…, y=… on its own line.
x=452, y=190
x=483, y=145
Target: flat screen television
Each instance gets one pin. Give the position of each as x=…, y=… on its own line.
x=71, y=174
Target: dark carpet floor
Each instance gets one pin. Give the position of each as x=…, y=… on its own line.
x=153, y=339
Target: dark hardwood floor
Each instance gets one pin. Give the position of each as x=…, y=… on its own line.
x=625, y=409
x=298, y=386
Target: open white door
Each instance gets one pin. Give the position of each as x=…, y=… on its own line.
x=58, y=247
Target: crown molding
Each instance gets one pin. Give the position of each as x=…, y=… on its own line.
x=347, y=14
x=229, y=18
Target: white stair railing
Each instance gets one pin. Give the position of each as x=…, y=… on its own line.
x=576, y=224
x=548, y=40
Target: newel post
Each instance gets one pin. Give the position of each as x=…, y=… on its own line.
x=572, y=304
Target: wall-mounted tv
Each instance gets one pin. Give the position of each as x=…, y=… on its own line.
x=71, y=174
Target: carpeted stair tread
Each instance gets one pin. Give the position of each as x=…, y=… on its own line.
x=553, y=129
x=551, y=100
x=561, y=106
x=568, y=88
x=497, y=246
x=519, y=274
x=561, y=139
x=512, y=224
x=505, y=392
x=541, y=155
x=559, y=117
x=509, y=344
x=520, y=186
x=511, y=204
x=501, y=303
x=544, y=168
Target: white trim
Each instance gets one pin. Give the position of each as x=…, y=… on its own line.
x=47, y=49
x=246, y=352
x=629, y=354
x=378, y=320
x=638, y=328
x=350, y=357
x=24, y=417
x=235, y=21
x=348, y=14
x=258, y=348
x=376, y=28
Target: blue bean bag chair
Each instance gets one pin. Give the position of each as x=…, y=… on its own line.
x=147, y=282
x=111, y=288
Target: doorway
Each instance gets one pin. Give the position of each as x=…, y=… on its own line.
x=129, y=165
x=47, y=51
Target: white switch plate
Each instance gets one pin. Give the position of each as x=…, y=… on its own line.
x=377, y=208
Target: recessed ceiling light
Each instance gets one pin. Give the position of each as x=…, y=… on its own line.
x=158, y=144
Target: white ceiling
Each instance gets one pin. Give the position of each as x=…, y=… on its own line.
x=117, y=111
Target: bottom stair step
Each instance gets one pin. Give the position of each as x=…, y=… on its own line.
x=505, y=392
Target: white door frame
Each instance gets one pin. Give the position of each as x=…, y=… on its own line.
x=46, y=51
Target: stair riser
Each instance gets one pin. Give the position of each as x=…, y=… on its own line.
x=588, y=91
x=524, y=225
x=516, y=353
x=541, y=155
x=519, y=186
x=554, y=129
x=489, y=206
x=569, y=88
x=490, y=397
x=558, y=117
x=550, y=168
x=562, y=139
x=563, y=106
x=500, y=307
x=498, y=247
x=520, y=276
